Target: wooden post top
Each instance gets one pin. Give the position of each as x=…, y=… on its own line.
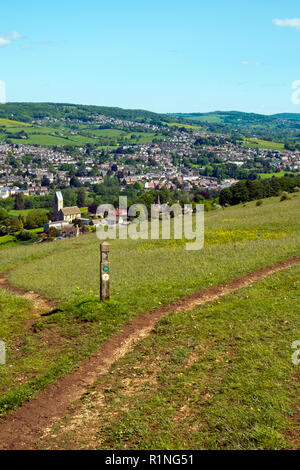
x=105, y=246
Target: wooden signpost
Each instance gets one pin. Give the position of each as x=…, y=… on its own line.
x=104, y=271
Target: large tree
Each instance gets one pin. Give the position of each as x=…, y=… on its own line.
x=81, y=197
x=19, y=202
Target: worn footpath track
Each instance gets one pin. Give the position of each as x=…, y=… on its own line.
x=22, y=428
x=38, y=303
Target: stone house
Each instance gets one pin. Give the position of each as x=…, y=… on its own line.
x=69, y=214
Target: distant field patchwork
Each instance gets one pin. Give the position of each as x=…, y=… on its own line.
x=62, y=136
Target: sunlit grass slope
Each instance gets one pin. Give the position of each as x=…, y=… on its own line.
x=145, y=273
x=219, y=377
x=10, y=123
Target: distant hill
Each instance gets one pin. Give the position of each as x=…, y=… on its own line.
x=293, y=116
x=277, y=126
x=284, y=127
x=27, y=112
x=71, y=125
x=235, y=117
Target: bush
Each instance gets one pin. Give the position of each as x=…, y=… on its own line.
x=25, y=236
x=3, y=230
x=284, y=196
x=36, y=219
x=259, y=203
x=53, y=232
x=14, y=225
x=3, y=214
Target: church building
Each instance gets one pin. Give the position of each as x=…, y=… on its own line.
x=61, y=213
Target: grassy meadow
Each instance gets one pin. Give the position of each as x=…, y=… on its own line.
x=238, y=240
x=279, y=174
x=264, y=144
x=209, y=117
x=144, y=275
x=10, y=123
x=220, y=377
x=178, y=124
x=24, y=212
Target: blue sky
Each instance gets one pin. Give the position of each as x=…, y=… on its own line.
x=165, y=56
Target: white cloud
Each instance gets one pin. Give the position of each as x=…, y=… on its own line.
x=4, y=42
x=288, y=23
x=254, y=64
x=7, y=40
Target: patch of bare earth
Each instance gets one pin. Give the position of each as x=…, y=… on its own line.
x=81, y=427
x=22, y=429
x=39, y=304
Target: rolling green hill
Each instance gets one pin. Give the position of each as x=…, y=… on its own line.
x=27, y=112
x=237, y=117
x=275, y=127
x=73, y=125
x=65, y=117
x=292, y=116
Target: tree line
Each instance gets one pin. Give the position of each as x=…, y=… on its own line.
x=247, y=190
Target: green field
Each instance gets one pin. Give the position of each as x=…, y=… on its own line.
x=264, y=144
x=24, y=212
x=51, y=136
x=211, y=118
x=9, y=123
x=118, y=134
x=178, y=124
x=181, y=270
x=144, y=275
x=279, y=174
x=220, y=377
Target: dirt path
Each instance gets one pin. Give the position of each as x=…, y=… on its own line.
x=39, y=304
x=21, y=429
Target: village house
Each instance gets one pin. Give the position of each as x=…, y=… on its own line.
x=70, y=231
x=5, y=192
x=59, y=225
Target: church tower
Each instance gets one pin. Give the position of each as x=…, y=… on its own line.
x=58, y=204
